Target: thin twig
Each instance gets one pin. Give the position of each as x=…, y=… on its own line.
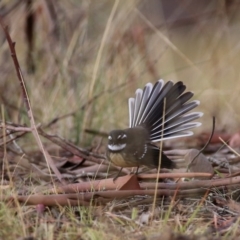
x=209, y=140
x=229, y=147
x=27, y=103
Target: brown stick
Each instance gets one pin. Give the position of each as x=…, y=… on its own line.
x=27, y=103
x=86, y=199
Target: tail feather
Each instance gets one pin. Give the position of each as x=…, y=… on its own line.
x=175, y=118
x=146, y=109
x=157, y=103
x=145, y=96
x=171, y=122
x=175, y=122
x=173, y=136
x=131, y=102
x=172, y=103
x=182, y=110
x=171, y=106
x=176, y=91
x=173, y=111
x=156, y=89
x=137, y=105
x=177, y=131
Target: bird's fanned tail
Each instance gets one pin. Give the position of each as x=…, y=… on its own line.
x=163, y=109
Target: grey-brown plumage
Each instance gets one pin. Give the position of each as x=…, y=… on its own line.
x=157, y=112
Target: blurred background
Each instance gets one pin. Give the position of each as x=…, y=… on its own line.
x=82, y=60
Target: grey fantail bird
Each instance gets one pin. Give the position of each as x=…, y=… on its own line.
x=158, y=112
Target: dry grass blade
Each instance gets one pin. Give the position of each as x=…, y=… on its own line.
x=27, y=103
x=99, y=159
x=86, y=67
x=53, y=200
x=174, y=175
x=168, y=42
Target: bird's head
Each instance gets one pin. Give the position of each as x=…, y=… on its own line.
x=117, y=140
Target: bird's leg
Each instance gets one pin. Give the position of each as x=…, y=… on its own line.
x=136, y=173
x=115, y=178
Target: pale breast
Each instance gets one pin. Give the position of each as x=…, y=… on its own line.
x=118, y=160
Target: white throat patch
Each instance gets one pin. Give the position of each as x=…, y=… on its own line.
x=118, y=147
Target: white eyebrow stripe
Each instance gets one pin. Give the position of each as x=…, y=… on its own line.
x=116, y=147
x=122, y=136
x=109, y=137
